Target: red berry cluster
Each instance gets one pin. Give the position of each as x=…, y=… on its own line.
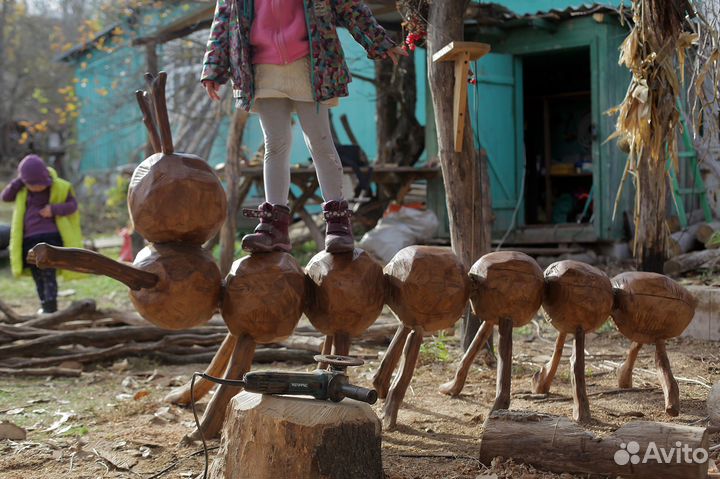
x=413, y=39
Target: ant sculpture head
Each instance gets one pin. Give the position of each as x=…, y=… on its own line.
x=172, y=197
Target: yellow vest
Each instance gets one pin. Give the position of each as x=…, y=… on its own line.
x=68, y=226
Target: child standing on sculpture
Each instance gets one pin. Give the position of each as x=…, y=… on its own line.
x=285, y=56
x=45, y=212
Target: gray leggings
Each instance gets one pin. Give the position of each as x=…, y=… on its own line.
x=275, y=116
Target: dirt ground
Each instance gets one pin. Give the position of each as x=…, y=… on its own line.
x=112, y=421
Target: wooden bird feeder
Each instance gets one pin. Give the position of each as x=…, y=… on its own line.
x=461, y=53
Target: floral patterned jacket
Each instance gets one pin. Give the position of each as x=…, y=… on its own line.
x=229, y=54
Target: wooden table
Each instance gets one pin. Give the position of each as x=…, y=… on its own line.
x=393, y=183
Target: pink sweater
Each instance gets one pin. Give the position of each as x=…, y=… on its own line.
x=279, y=33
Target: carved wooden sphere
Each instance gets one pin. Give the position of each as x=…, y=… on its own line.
x=346, y=292
x=506, y=284
x=176, y=197
x=576, y=295
x=427, y=286
x=650, y=306
x=264, y=297
x=189, y=288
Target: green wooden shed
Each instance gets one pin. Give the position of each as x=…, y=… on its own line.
x=539, y=111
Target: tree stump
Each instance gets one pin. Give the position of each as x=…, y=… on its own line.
x=270, y=437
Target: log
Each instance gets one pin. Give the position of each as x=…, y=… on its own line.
x=557, y=444
x=684, y=241
x=713, y=405
x=691, y=261
x=97, y=337
x=54, y=372
x=76, y=309
x=11, y=316
x=268, y=437
x=706, y=230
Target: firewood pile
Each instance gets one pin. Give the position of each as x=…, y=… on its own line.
x=694, y=248
x=62, y=343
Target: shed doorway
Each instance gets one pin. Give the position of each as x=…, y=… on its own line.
x=558, y=134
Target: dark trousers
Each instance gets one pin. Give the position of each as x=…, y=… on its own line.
x=45, y=279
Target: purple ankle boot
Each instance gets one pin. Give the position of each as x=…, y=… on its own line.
x=338, y=233
x=272, y=232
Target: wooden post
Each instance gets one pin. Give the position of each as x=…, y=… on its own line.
x=542, y=380
x=454, y=387
x=504, y=365
x=384, y=373
x=581, y=404
x=625, y=371
x=465, y=173
x=650, y=205
x=402, y=380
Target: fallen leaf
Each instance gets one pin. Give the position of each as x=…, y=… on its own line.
x=65, y=292
x=164, y=415
x=57, y=454
x=13, y=412
x=9, y=430
x=64, y=416
x=130, y=383
x=123, y=397
x=141, y=394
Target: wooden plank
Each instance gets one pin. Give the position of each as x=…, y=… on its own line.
x=462, y=65
x=454, y=50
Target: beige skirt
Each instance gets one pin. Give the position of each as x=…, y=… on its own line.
x=286, y=81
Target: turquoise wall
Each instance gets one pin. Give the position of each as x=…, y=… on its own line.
x=110, y=132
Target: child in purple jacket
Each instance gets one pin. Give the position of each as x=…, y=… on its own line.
x=41, y=198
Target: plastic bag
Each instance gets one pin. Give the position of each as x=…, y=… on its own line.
x=407, y=226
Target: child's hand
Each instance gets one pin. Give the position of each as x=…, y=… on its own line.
x=46, y=212
x=395, y=52
x=212, y=89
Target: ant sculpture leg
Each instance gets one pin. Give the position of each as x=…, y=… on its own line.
x=240, y=363
x=581, y=403
x=625, y=371
x=542, y=380
x=395, y=396
x=217, y=366
x=667, y=380
x=504, y=365
x=383, y=375
x=455, y=387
